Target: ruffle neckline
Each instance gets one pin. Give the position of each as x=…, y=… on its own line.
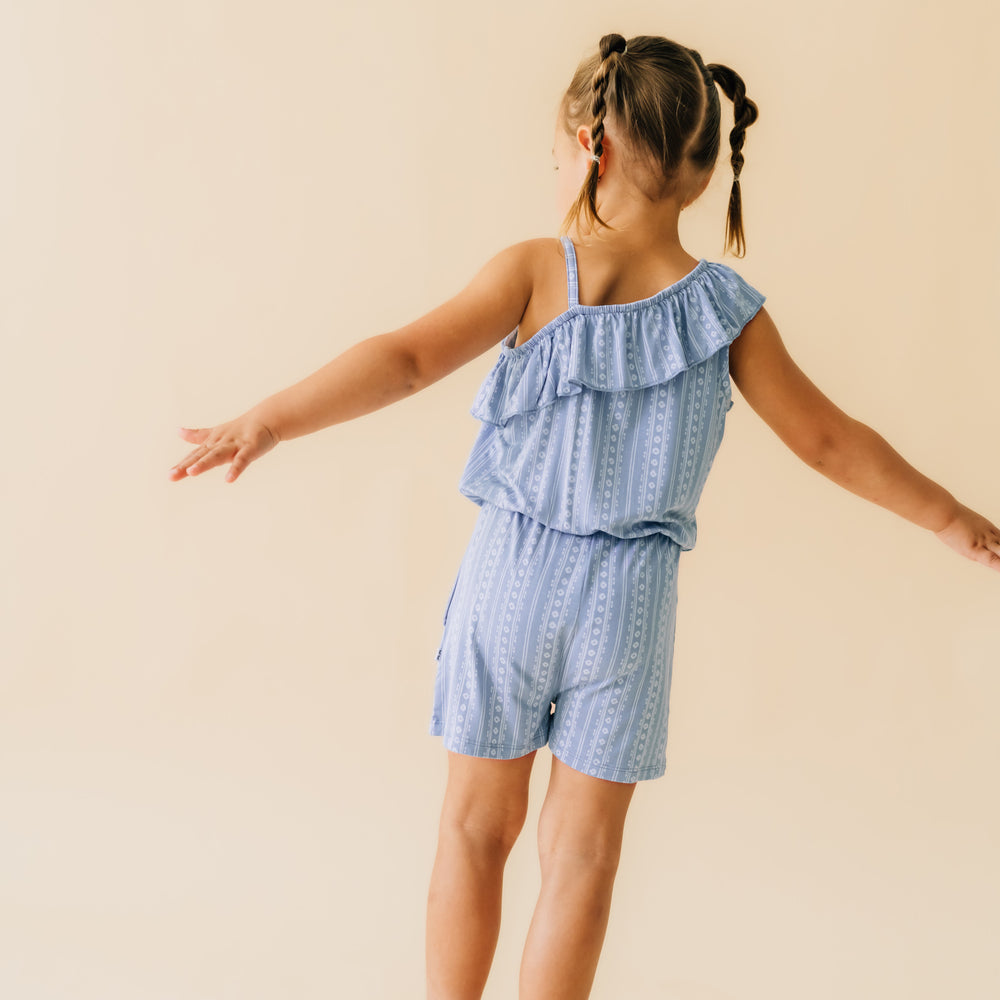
x=614, y=307
x=620, y=346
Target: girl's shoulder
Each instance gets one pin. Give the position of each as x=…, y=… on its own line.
x=533, y=260
x=540, y=254
x=543, y=261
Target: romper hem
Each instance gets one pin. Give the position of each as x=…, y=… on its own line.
x=621, y=774
x=625, y=775
x=485, y=749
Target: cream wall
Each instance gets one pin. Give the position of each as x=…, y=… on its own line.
x=216, y=780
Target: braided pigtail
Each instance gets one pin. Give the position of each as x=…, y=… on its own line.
x=611, y=50
x=744, y=114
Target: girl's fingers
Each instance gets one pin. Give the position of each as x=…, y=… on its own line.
x=987, y=550
x=239, y=442
x=991, y=539
x=212, y=457
x=990, y=559
x=191, y=460
x=238, y=464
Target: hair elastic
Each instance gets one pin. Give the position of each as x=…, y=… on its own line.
x=594, y=156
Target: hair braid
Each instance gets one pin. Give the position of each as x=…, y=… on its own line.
x=665, y=116
x=744, y=115
x=611, y=49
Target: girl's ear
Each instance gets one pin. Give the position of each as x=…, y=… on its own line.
x=583, y=139
x=699, y=190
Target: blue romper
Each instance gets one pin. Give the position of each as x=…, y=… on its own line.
x=597, y=435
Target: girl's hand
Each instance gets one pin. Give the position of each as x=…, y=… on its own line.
x=244, y=439
x=972, y=536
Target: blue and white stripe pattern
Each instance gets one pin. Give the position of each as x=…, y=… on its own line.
x=539, y=617
x=598, y=434
x=609, y=417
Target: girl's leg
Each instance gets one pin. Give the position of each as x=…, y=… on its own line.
x=579, y=843
x=485, y=805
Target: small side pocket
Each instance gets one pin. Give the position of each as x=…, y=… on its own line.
x=727, y=385
x=451, y=597
x=447, y=609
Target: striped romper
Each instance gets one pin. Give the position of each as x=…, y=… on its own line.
x=597, y=436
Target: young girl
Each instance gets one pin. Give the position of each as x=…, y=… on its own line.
x=600, y=422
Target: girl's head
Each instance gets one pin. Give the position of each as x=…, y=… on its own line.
x=657, y=103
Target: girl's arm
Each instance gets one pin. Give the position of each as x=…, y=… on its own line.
x=377, y=371
x=845, y=450
x=391, y=366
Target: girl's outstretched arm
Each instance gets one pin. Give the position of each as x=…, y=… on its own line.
x=845, y=450
x=377, y=371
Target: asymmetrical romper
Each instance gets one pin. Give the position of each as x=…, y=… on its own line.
x=597, y=436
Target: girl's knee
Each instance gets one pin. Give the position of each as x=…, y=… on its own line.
x=482, y=836
x=593, y=854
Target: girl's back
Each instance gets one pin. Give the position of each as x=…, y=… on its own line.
x=622, y=276
x=609, y=416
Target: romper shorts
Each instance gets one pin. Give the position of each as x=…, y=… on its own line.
x=551, y=637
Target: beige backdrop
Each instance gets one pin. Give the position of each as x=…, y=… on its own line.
x=216, y=781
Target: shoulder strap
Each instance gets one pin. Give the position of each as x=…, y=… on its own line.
x=572, y=284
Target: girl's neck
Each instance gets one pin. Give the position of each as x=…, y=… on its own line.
x=638, y=227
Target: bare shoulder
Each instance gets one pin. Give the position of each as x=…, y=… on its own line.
x=543, y=249
x=522, y=265
x=549, y=247
x=474, y=319
x=545, y=260
x=543, y=252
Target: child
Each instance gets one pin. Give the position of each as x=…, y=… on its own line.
x=600, y=422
